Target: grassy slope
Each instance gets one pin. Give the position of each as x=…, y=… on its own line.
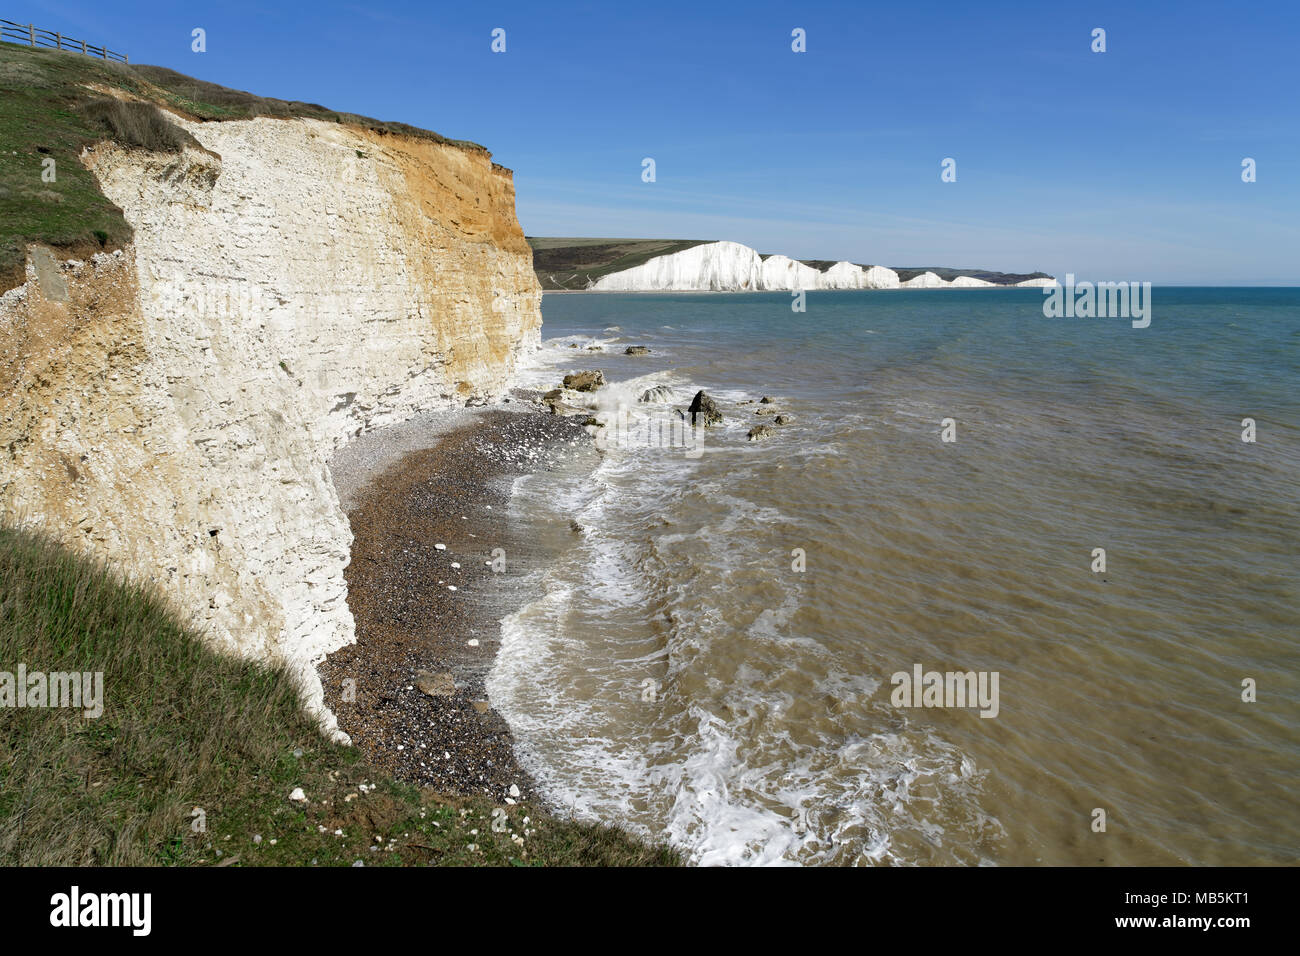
x=185, y=727
x=570, y=263
x=43, y=95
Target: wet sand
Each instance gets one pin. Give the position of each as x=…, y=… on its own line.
x=417, y=613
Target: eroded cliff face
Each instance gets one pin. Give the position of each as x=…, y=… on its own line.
x=172, y=407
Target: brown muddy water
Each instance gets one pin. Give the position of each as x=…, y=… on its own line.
x=712, y=657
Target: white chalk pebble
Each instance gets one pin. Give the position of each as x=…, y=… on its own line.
x=455, y=564
x=473, y=642
x=451, y=587
x=440, y=547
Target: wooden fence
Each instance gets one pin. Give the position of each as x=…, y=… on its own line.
x=29, y=34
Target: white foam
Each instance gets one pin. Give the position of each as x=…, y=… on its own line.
x=714, y=764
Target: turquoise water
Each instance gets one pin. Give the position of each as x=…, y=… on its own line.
x=677, y=673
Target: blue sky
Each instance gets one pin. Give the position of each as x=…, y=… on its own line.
x=1119, y=165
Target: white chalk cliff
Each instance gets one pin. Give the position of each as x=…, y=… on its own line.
x=172, y=407
x=711, y=267
x=780, y=273
x=881, y=277
x=926, y=280
x=844, y=275
x=733, y=267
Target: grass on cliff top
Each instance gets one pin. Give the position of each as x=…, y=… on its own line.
x=49, y=111
x=184, y=727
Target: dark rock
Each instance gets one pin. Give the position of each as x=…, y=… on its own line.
x=767, y=400
x=585, y=381
x=704, y=410
x=784, y=419
x=560, y=408
x=765, y=411
x=760, y=433
x=636, y=350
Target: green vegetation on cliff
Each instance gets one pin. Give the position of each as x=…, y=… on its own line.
x=53, y=104
x=195, y=754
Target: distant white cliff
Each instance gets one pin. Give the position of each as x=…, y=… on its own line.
x=711, y=267
x=926, y=280
x=733, y=267
x=782, y=273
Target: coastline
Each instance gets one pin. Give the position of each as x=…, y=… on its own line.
x=918, y=288
x=438, y=479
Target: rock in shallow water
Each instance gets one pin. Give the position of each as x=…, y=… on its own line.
x=784, y=419
x=585, y=381
x=704, y=410
x=636, y=350
x=760, y=433
x=660, y=393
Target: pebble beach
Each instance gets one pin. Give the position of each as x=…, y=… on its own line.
x=427, y=503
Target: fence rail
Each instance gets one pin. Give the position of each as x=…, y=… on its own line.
x=34, y=36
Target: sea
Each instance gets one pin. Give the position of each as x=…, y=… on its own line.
x=757, y=650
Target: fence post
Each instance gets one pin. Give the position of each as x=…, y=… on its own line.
x=104, y=51
x=83, y=47
x=31, y=34
x=126, y=59
x=58, y=41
